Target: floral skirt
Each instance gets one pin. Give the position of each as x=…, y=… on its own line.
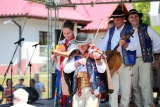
x=60, y=100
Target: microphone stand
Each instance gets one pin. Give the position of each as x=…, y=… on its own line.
x=30, y=66
x=11, y=65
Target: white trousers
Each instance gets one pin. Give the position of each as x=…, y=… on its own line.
x=142, y=83
x=121, y=79
x=86, y=99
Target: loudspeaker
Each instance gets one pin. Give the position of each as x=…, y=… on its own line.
x=33, y=94
x=53, y=84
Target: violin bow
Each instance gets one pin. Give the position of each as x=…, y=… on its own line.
x=97, y=31
x=61, y=33
x=95, y=36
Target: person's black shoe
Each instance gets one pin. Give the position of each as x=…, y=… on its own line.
x=103, y=100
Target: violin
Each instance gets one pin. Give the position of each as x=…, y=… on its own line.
x=91, y=50
x=61, y=48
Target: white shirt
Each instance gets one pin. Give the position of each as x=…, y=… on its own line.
x=115, y=40
x=69, y=67
x=70, y=48
x=155, y=38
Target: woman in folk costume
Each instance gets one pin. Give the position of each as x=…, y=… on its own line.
x=62, y=97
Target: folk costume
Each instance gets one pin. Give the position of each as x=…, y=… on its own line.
x=122, y=77
x=148, y=44
x=62, y=97
x=88, y=81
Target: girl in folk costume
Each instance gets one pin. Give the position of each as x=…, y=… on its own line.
x=62, y=97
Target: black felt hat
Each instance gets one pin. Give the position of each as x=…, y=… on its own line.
x=82, y=39
x=117, y=14
x=134, y=11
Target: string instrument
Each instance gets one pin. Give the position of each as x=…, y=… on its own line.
x=91, y=50
x=87, y=54
x=61, y=48
x=114, y=58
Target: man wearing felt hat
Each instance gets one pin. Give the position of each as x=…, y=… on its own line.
x=88, y=67
x=148, y=44
x=127, y=48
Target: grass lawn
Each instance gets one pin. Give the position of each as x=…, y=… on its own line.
x=43, y=78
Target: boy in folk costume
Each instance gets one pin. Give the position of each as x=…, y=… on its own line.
x=88, y=82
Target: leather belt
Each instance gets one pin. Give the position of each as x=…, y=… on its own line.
x=83, y=80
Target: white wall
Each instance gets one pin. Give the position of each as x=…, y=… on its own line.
x=9, y=34
x=154, y=16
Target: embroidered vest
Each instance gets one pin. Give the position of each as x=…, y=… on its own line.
x=145, y=42
x=129, y=57
x=94, y=76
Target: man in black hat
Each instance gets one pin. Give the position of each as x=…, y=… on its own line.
x=122, y=77
x=148, y=44
x=88, y=67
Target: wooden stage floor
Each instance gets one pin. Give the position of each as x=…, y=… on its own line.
x=49, y=103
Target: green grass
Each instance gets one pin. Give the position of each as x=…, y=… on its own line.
x=43, y=78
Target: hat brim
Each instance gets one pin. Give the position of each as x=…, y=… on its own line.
x=89, y=40
x=139, y=14
x=117, y=16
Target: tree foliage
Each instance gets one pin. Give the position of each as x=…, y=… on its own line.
x=143, y=7
x=156, y=28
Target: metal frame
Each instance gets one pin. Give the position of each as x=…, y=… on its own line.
x=67, y=3
x=85, y=2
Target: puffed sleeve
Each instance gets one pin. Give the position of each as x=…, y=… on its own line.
x=101, y=68
x=155, y=39
x=69, y=67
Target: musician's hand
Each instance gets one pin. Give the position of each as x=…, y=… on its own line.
x=122, y=42
x=54, y=58
x=79, y=62
x=55, y=52
x=156, y=64
x=96, y=55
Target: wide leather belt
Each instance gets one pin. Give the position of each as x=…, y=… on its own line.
x=83, y=80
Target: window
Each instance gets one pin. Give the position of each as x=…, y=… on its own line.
x=43, y=38
x=43, y=41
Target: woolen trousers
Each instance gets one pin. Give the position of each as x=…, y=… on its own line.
x=87, y=99
x=142, y=83
x=121, y=79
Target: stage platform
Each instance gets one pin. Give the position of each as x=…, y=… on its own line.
x=49, y=103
